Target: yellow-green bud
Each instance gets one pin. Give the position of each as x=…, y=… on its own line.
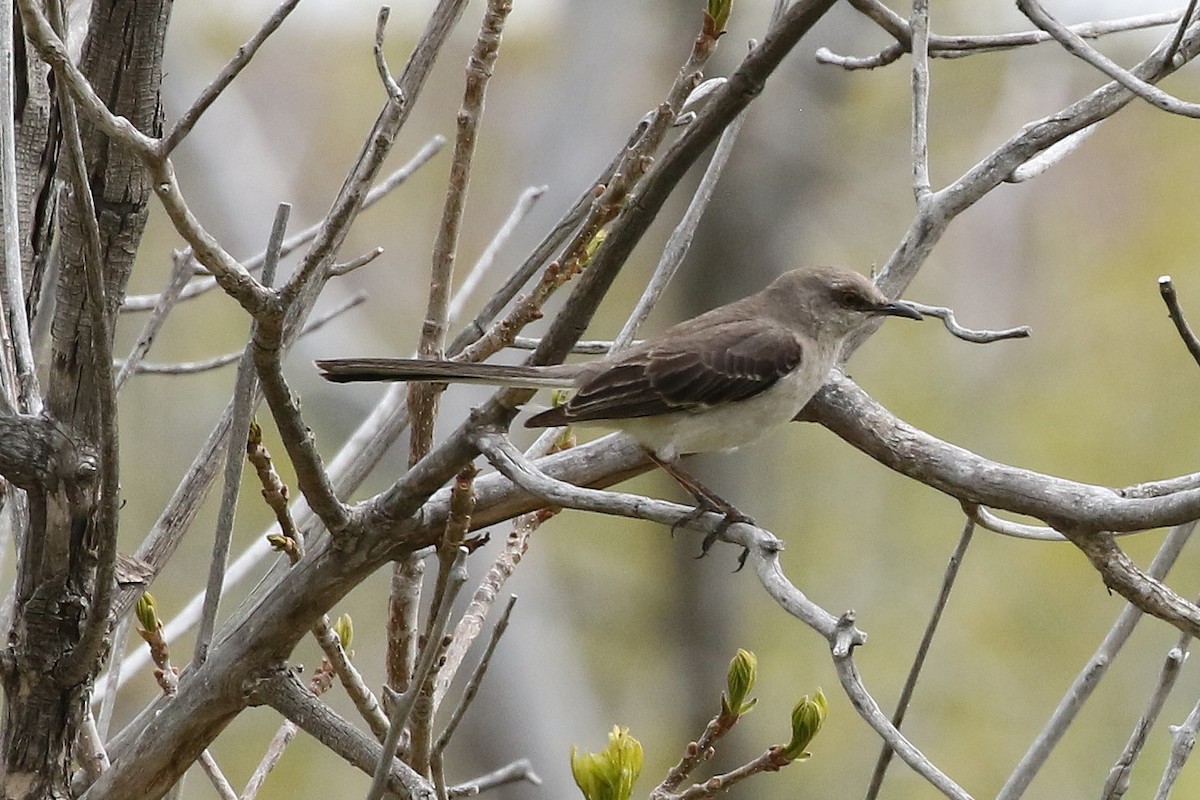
x=743, y=671
x=344, y=628
x=718, y=12
x=807, y=718
x=591, y=247
x=147, y=612
x=611, y=773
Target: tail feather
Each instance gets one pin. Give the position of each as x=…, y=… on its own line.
x=349, y=370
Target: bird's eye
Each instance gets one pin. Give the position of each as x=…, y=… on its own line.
x=851, y=299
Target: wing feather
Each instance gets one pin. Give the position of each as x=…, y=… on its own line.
x=720, y=364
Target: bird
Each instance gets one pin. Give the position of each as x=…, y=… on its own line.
x=723, y=379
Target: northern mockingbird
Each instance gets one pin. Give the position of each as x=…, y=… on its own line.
x=715, y=382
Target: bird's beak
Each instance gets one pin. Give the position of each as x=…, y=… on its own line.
x=898, y=308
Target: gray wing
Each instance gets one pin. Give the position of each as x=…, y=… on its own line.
x=721, y=364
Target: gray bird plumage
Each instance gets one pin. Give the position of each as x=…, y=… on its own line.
x=714, y=382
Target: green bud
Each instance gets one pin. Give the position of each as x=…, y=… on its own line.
x=807, y=718
x=611, y=773
x=718, y=13
x=344, y=628
x=147, y=612
x=591, y=247
x=743, y=671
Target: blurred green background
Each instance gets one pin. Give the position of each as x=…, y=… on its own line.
x=618, y=623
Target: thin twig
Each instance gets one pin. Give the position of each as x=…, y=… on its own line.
x=847, y=671
x=963, y=46
x=1090, y=675
x=385, y=74
x=345, y=268
x=914, y=671
x=1167, y=289
x=1183, y=740
x=243, y=409
x=403, y=704
x=423, y=397
x=146, y=302
x=681, y=237
x=1117, y=782
x=517, y=771
x=946, y=315
x=181, y=271
x=112, y=679
x=487, y=258
x=240, y=59
x=983, y=517
x=1077, y=47
x=274, y=752
x=22, y=380
x=470, y=624
x=216, y=776
x=350, y=678
x=588, y=347
x=472, y=687
x=1184, y=21
x=225, y=359
x=919, y=25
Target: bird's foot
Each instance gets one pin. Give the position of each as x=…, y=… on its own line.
x=730, y=516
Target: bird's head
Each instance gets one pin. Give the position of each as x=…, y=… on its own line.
x=837, y=300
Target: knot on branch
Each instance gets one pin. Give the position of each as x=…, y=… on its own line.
x=37, y=454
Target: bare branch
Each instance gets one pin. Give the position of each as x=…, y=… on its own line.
x=472, y=687
x=962, y=46
x=1052, y=155
x=395, y=93
x=1075, y=45
x=181, y=271
x=520, y=770
x=422, y=399
x=946, y=315
x=216, y=777
x=850, y=413
x=919, y=25
x=910, y=681
x=681, y=237
x=192, y=367
x=1167, y=289
x=284, y=692
x=19, y=375
x=350, y=678
x=1183, y=739
x=378, y=192
x=1091, y=674
x=402, y=705
x=1117, y=783
x=244, y=391
x=225, y=77
x=989, y=521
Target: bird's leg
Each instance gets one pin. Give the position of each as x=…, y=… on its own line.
x=706, y=500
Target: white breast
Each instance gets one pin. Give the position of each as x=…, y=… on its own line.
x=731, y=425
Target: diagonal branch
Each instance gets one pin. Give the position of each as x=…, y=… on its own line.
x=225, y=77
x=1077, y=47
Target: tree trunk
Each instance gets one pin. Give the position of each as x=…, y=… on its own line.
x=49, y=665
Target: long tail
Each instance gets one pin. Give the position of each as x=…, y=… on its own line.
x=347, y=370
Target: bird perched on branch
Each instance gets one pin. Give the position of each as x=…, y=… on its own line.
x=715, y=382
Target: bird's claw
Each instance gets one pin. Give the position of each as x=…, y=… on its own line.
x=731, y=517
